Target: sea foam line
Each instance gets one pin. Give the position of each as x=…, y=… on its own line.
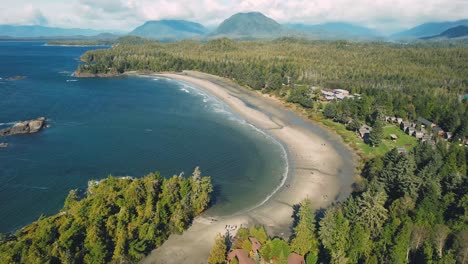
x=227, y=110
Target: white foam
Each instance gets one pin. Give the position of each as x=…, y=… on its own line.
x=218, y=106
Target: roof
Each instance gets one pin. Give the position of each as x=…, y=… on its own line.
x=424, y=121
x=295, y=258
x=241, y=256
x=339, y=96
x=256, y=246
x=393, y=136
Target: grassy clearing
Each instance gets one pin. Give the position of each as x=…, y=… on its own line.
x=363, y=149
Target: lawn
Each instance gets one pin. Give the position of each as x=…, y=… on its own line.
x=364, y=149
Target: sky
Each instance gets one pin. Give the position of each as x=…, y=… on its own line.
x=385, y=16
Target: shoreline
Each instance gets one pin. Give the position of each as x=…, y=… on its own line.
x=320, y=168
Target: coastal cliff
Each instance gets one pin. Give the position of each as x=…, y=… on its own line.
x=25, y=127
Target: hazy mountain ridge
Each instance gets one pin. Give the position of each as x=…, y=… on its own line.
x=250, y=25
x=42, y=31
x=335, y=30
x=428, y=29
x=169, y=29
x=455, y=32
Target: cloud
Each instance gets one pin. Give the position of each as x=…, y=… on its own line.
x=28, y=15
x=384, y=15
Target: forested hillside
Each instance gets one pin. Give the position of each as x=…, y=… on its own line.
x=402, y=80
x=118, y=219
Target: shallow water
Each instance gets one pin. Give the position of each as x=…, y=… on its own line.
x=118, y=126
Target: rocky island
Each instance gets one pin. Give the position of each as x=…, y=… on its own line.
x=24, y=127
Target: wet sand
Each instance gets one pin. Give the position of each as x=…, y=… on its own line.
x=321, y=168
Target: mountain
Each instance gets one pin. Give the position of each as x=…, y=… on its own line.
x=169, y=30
x=41, y=31
x=455, y=32
x=428, y=29
x=334, y=30
x=249, y=25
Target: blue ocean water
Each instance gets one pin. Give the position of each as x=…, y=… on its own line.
x=119, y=126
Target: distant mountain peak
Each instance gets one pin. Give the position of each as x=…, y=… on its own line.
x=249, y=24
x=454, y=32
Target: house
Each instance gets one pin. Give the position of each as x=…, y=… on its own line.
x=393, y=136
x=438, y=131
x=241, y=255
x=399, y=120
x=425, y=122
x=329, y=97
x=405, y=125
x=364, y=132
x=418, y=134
x=410, y=131
x=256, y=246
x=340, y=96
x=295, y=258
x=327, y=93
x=341, y=91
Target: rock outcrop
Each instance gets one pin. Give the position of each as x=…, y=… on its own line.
x=25, y=127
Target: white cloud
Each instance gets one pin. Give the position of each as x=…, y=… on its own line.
x=126, y=14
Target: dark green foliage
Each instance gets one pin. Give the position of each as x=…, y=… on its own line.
x=305, y=240
x=218, y=252
x=406, y=81
x=376, y=135
x=301, y=96
x=120, y=219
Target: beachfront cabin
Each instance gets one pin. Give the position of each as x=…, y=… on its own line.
x=393, y=137
x=327, y=93
x=256, y=246
x=425, y=122
x=241, y=256
x=364, y=132
x=405, y=125
x=341, y=91
x=340, y=96
x=438, y=131
x=295, y=258
x=418, y=134
x=410, y=131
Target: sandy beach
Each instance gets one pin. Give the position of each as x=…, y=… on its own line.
x=321, y=168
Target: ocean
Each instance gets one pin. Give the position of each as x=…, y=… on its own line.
x=119, y=126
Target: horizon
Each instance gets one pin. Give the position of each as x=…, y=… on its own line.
x=386, y=17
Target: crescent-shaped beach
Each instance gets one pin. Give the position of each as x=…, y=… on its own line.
x=321, y=168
